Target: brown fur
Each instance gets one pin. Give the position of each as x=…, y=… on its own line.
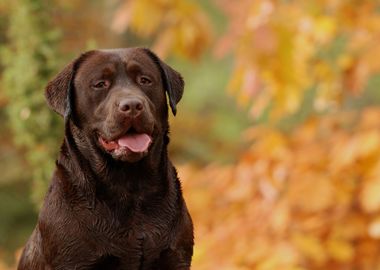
x=106, y=211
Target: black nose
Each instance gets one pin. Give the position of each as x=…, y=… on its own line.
x=131, y=106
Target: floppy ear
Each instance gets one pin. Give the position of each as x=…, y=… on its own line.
x=58, y=92
x=172, y=81
x=57, y=89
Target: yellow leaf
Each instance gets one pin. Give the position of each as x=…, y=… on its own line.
x=311, y=192
x=340, y=250
x=325, y=27
x=146, y=16
x=370, y=195
x=310, y=246
x=374, y=228
x=368, y=143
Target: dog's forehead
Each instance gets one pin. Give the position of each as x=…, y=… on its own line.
x=112, y=58
x=123, y=56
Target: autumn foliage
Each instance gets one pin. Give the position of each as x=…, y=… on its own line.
x=304, y=200
x=178, y=26
x=284, y=48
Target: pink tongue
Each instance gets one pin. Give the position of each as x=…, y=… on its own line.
x=135, y=142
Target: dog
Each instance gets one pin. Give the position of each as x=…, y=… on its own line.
x=114, y=201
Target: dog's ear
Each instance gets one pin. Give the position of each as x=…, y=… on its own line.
x=58, y=92
x=57, y=89
x=172, y=81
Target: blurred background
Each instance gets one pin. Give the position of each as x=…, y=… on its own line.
x=277, y=137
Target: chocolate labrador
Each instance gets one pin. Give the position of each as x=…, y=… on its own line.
x=115, y=201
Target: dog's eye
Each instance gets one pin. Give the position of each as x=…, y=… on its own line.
x=101, y=85
x=144, y=80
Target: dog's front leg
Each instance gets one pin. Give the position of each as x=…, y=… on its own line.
x=178, y=255
x=174, y=260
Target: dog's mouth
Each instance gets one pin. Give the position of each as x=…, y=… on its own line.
x=132, y=141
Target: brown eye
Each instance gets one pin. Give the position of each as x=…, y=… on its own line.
x=101, y=85
x=144, y=80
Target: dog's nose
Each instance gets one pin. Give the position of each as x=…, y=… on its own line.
x=131, y=107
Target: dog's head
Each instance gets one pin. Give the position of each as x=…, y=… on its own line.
x=118, y=97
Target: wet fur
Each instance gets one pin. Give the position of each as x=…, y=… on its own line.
x=102, y=213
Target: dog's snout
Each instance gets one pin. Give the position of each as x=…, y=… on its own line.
x=131, y=106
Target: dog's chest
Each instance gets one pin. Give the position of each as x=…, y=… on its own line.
x=128, y=230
